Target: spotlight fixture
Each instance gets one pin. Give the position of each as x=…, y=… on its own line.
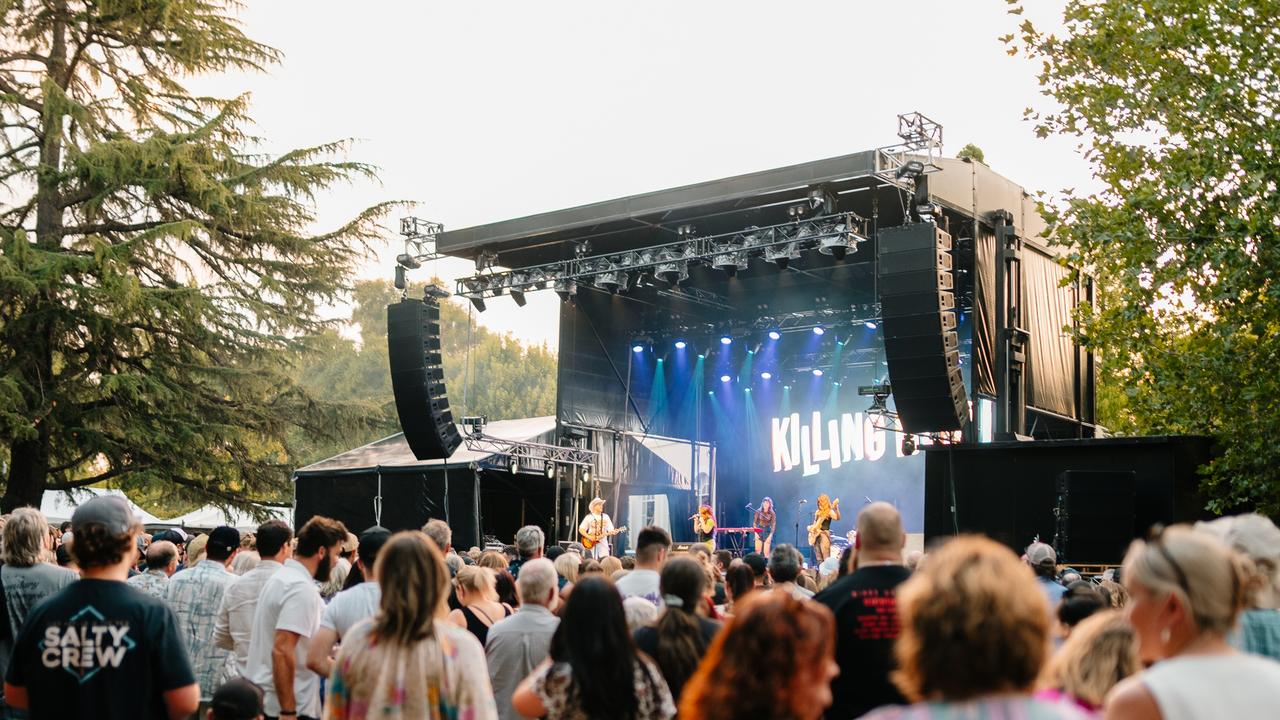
x=518, y=296
x=680, y=344
x=909, y=170
x=671, y=269
x=711, y=392
x=612, y=281
x=400, y=281
x=551, y=471
x=515, y=465
x=407, y=261
x=766, y=376
x=478, y=303
x=701, y=356
x=787, y=388
x=817, y=372
x=724, y=378
x=727, y=260
x=839, y=241
x=586, y=475
x=775, y=335
x=637, y=348
x=908, y=444
x=870, y=324
x=819, y=330
x=726, y=340
x=782, y=255
x=566, y=289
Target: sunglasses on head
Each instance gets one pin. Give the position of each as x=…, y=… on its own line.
x=1155, y=539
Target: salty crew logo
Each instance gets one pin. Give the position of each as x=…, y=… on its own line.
x=85, y=644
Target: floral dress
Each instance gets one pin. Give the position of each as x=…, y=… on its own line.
x=554, y=686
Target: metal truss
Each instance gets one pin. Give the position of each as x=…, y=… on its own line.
x=916, y=155
x=529, y=453
x=833, y=234
x=419, y=240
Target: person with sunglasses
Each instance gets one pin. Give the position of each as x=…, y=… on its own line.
x=1186, y=589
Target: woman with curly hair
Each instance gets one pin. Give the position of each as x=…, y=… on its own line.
x=773, y=661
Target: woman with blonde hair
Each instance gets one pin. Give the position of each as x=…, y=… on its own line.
x=478, y=597
x=974, y=637
x=1186, y=589
x=1258, y=540
x=820, y=530
x=567, y=567
x=1101, y=651
x=610, y=565
x=493, y=560
x=406, y=662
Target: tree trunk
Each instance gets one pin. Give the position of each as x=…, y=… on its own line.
x=28, y=472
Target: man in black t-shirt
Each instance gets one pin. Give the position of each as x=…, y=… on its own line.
x=99, y=648
x=866, y=610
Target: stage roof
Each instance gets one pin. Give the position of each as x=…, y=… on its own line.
x=629, y=222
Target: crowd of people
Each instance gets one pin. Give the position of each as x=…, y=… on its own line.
x=320, y=623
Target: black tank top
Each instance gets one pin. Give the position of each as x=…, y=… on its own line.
x=476, y=626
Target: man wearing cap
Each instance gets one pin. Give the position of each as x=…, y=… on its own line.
x=351, y=605
x=1044, y=561
x=195, y=595
x=99, y=648
x=597, y=526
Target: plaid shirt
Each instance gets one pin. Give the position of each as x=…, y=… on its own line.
x=151, y=582
x=195, y=595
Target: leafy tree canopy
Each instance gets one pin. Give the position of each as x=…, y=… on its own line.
x=972, y=151
x=1175, y=104
x=157, y=275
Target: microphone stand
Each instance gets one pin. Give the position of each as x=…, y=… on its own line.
x=797, y=540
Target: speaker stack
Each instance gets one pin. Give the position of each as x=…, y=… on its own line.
x=1095, y=515
x=417, y=378
x=917, y=308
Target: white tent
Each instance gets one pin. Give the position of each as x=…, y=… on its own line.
x=57, y=505
x=212, y=516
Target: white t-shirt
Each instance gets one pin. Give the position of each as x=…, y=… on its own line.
x=642, y=584
x=350, y=607
x=290, y=600
x=1189, y=687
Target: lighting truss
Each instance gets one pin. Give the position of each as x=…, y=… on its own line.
x=529, y=453
x=846, y=229
x=921, y=143
x=420, y=238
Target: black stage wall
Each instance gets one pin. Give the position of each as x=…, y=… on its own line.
x=1008, y=490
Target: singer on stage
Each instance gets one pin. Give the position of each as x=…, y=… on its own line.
x=704, y=526
x=596, y=529
x=820, y=530
x=767, y=520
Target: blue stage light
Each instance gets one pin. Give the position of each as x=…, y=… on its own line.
x=637, y=348
x=817, y=372
x=819, y=330
x=775, y=335
x=680, y=345
x=871, y=324
x=766, y=376
x=726, y=340
x=724, y=378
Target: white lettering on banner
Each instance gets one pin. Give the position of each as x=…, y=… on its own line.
x=853, y=437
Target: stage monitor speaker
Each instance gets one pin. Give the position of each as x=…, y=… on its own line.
x=1095, y=515
x=417, y=379
x=917, y=317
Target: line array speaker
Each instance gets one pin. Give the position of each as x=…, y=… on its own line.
x=917, y=308
x=417, y=378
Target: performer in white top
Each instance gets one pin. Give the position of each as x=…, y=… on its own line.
x=596, y=529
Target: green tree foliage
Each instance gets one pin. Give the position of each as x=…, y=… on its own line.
x=486, y=373
x=1175, y=104
x=972, y=151
x=157, y=274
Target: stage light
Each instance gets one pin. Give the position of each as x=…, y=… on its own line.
x=724, y=378
x=728, y=261
x=747, y=389
x=908, y=444
x=637, y=348
x=775, y=335
x=478, y=303
x=586, y=475
x=786, y=387
x=612, y=281
x=515, y=465
x=766, y=376
x=910, y=170
x=551, y=471
x=817, y=372
x=566, y=289
x=871, y=324
x=518, y=296
x=711, y=392
x=405, y=260
x=701, y=356
x=726, y=340
x=680, y=345
x=819, y=330
x=782, y=255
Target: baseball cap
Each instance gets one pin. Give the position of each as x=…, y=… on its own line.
x=228, y=538
x=236, y=699
x=371, y=541
x=173, y=535
x=1039, y=553
x=349, y=545
x=110, y=511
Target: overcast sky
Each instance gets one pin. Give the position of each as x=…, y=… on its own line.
x=483, y=111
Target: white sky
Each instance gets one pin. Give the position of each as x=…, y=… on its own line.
x=483, y=111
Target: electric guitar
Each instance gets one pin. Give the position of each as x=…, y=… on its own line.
x=816, y=528
x=589, y=540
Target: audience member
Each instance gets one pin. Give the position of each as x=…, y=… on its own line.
x=406, y=663
x=554, y=552
x=195, y=595
x=1186, y=589
x=480, y=606
x=195, y=551
x=248, y=558
x=652, y=545
x=341, y=568
x=594, y=669
x=567, y=568
x=351, y=606
x=628, y=562
x=759, y=565
x=866, y=611
x=680, y=638
x=974, y=637
x=738, y=581
x=723, y=559
x=518, y=644
x=440, y=533
x=288, y=616
x=773, y=660
x=505, y=587
x=1044, y=561
x=161, y=564
x=640, y=613
x=529, y=543
x=236, y=699
x=1080, y=601
x=234, y=625
x=1101, y=651
x=1258, y=540
x=610, y=565
x=138, y=667
x=1117, y=596
x=914, y=558
x=784, y=568
x=493, y=560
x=590, y=566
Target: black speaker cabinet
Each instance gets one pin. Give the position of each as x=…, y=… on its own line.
x=417, y=379
x=1095, y=515
x=913, y=274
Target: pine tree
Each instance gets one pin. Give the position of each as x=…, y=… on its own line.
x=157, y=274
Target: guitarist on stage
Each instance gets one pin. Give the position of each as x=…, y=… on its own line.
x=820, y=530
x=596, y=529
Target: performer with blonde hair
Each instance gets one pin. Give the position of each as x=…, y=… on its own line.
x=820, y=530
